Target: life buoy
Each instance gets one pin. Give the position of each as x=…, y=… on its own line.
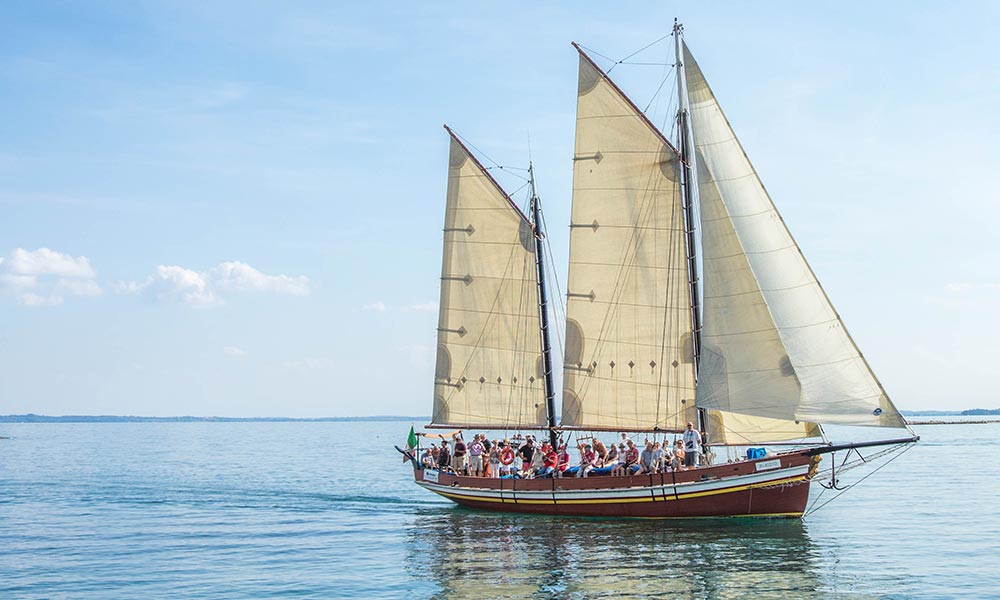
x=507, y=455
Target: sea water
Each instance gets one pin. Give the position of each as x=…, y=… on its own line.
x=328, y=510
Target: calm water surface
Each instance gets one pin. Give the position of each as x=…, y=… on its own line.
x=326, y=510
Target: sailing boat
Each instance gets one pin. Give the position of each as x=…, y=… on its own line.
x=756, y=355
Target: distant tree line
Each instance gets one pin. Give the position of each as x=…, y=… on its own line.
x=976, y=412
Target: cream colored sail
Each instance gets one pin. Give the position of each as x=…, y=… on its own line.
x=772, y=344
x=734, y=428
x=628, y=363
x=488, y=372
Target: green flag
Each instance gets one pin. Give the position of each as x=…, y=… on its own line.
x=411, y=441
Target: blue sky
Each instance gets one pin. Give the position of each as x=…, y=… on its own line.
x=231, y=209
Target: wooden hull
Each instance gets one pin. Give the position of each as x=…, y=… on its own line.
x=776, y=486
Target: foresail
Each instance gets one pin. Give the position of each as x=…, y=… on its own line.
x=488, y=371
x=736, y=429
x=772, y=344
x=628, y=358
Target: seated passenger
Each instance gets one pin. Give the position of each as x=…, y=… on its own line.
x=427, y=459
x=657, y=457
x=645, y=465
x=538, y=459
x=587, y=460
x=612, y=457
x=551, y=459
x=678, y=457
x=563, y=464
x=629, y=459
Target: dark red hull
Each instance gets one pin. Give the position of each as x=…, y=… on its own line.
x=770, y=487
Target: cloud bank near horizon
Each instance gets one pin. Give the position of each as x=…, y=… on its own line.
x=46, y=277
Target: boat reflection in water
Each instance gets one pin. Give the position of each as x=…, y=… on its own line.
x=475, y=554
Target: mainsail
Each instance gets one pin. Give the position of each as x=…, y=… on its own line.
x=772, y=344
x=628, y=359
x=488, y=373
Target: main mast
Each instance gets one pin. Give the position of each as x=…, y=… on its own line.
x=543, y=313
x=688, y=173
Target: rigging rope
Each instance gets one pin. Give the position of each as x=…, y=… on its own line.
x=902, y=449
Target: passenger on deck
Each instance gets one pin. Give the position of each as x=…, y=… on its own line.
x=476, y=457
x=657, y=457
x=645, y=465
x=612, y=457
x=692, y=446
x=629, y=459
x=427, y=459
x=608, y=465
x=678, y=459
x=494, y=459
x=551, y=461
x=506, y=452
x=444, y=457
x=587, y=460
x=538, y=459
x=458, y=457
x=563, y=460
x=525, y=453
x=601, y=451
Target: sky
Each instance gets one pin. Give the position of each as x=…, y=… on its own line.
x=235, y=209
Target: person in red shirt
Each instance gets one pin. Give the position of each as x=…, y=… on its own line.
x=563, y=459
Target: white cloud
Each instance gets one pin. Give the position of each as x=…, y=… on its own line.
x=377, y=306
x=17, y=281
x=240, y=277
x=203, y=289
x=423, y=307
x=234, y=351
x=49, y=275
x=29, y=299
x=48, y=262
x=178, y=284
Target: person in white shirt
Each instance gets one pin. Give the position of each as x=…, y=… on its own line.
x=692, y=446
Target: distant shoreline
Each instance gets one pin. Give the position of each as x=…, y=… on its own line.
x=32, y=418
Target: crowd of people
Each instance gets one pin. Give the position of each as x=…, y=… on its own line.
x=526, y=457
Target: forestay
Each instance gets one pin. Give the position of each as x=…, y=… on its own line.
x=772, y=344
x=628, y=358
x=488, y=371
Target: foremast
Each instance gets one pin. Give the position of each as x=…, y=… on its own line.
x=543, y=309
